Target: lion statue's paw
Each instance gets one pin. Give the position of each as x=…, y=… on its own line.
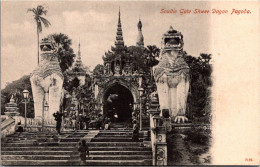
x=180, y=119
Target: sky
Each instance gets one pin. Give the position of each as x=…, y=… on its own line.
x=94, y=25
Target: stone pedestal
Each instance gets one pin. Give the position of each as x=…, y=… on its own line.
x=11, y=108
x=159, y=145
x=161, y=154
x=159, y=126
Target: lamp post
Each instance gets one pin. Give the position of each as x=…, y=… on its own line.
x=46, y=108
x=147, y=107
x=141, y=90
x=25, y=95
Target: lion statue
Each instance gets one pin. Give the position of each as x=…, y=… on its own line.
x=172, y=76
x=47, y=80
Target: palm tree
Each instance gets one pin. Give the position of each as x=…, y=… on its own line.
x=37, y=13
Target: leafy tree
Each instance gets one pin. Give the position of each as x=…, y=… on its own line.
x=98, y=70
x=66, y=54
x=83, y=93
x=16, y=88
x=200, y=82
x=38, y=13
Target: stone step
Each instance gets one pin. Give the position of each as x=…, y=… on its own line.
x=116, y=135
x=75, y=157
x=91, y=148
x=37, y=148
x=35, y=157
x=77, y=162
x=34, y=144
x=113, y=139
x=70, y=140
x=106, y=144
x=74, y=144
x=120, y=157
x=120, y=153
x=39, y=152
x=120, y=149
x=100, y=152
x=29, y=136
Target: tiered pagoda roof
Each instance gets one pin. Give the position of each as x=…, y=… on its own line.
x=78, y=68
x=119, y=34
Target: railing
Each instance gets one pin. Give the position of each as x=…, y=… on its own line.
x=35, y=125
x=159, y=127
x=7, y=127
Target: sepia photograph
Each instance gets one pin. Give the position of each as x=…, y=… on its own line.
x=127, y=83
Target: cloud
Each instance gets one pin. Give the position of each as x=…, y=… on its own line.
x=16, y=62
x=19, y=34
x=95, y=25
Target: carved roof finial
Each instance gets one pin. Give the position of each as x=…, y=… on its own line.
x=140, y=37
x=119, y=34
x=12, y=99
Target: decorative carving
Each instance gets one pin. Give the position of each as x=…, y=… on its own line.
x=107, y=82
x=160, y=154
x=172, y=76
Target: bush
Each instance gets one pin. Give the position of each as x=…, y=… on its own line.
x=198, y=136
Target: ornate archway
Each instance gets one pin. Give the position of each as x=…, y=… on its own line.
x=129, y=83
x=118, y=100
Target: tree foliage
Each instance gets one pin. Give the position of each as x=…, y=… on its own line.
x=83, y=93
x=66, y=54
x=39, y=19
x=16, y=88
x=98, y=70
x=38, y=12
x=199, y=100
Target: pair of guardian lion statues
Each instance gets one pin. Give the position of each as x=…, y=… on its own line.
x=171, y=76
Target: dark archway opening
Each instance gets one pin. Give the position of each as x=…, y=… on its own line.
x=118, y=101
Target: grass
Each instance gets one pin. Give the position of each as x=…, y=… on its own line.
x=193, y=142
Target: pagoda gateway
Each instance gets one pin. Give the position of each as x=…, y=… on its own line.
x=122, y=86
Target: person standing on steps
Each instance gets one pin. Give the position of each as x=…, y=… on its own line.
x=73, y=120
x=135, y=136
x=19, y=128
x=83, y=151
x=58, y=119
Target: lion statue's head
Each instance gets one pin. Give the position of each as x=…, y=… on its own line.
x=172, y=40
x=48, y=46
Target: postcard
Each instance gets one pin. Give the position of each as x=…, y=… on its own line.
x=116, y=83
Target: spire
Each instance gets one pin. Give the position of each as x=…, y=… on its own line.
x=119, y=34
x=79, y=53
x=140, y=37
x=78, y=62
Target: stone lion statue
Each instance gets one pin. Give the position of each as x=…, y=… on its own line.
x=47, y=80
x=172, y=76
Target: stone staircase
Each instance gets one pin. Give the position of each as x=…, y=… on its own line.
x=107, y=147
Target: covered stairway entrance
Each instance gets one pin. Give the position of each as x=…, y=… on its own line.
x=118, y=102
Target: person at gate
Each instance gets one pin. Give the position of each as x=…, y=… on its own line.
x=83, y=149
x=19, y=128
x=134, y=124
x=135, y=136
x=73, y=120
x=87, y=120
x=58, y=119
x=107, y=124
